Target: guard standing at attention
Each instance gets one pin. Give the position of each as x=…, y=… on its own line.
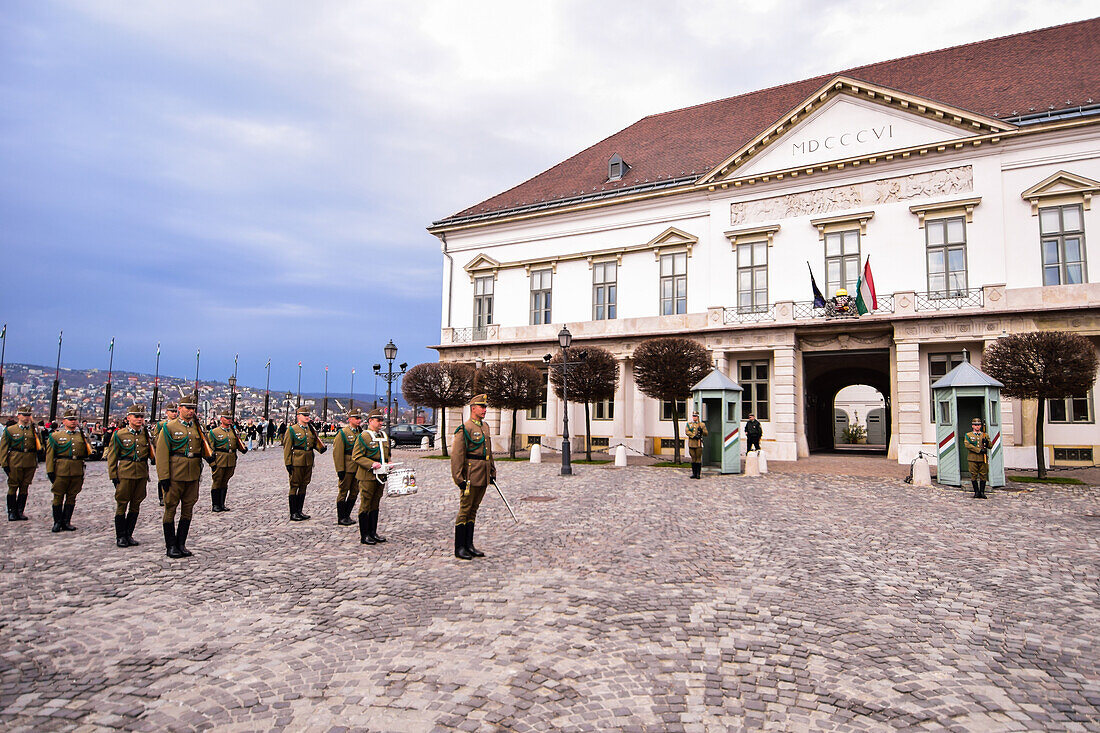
x=977, y=456
x=170, y=413
x=19, y=446
x=753, y=432
x=128, y=453
x=66, y=451
x=342, y=448
x=371, y=454
x=696, y=431
x=181, y=447
x=299, y=443
x=472, y=470
x=225, y=442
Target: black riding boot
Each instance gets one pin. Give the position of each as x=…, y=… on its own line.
x=470, y=541
x=66, y=517
x=460, y=543
x=221, y=499
x=981, y=489
x=20, y=505
x=977, y=494
x=374, y=527
x=11, y=508
x=58, y=525
x=214, y=506
x=120, y=531
x=343, y=513
x=294, y=515
x=181, y=538
x=170, y=548
x=301, y=504
x=364, y=529
x=131, y=522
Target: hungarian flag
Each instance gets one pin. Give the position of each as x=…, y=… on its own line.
x=865, y=289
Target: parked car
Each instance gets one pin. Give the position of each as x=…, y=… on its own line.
x=406, y=434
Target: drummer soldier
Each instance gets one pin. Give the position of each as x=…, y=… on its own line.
x=371, y=453
x=128, y=454
x=472, y=470
x=299, y=443
x=181, y=447
x=170, y=413
x=977, y=456
x=342, y=447
x=225, y=442
x=19, y=446
x=696, y=431
x=66, y=451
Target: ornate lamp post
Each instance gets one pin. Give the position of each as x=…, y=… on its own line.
x=390, y=376
x=564, y=340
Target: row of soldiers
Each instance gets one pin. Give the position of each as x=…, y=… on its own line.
x=178, y=445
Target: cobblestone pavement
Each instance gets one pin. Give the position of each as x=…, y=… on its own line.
x=626, y=599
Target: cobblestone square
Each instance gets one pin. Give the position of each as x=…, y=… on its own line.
x=625, y=599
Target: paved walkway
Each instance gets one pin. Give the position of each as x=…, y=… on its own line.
x=626, y=599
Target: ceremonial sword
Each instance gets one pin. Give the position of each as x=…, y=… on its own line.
x=502, y=497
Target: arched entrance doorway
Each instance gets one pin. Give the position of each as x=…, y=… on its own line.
x=825, y=375
x=859, y=419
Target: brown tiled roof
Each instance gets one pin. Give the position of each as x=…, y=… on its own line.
x=1050, y=69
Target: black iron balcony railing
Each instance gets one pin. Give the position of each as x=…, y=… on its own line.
x=805, y=309
x=749, y=314
x=942, y=300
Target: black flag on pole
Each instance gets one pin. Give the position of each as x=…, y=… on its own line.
x=819, y=299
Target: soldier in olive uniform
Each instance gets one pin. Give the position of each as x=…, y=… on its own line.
x=299, y=443
x=66, y=451
x=977, y=456
x=342, y=447
x=696, y=431
x=19, y=446
x=371, y=453
x=170, y=413
x=128, y=454
x=181, y=447
x=225, y=442
x=472, y=470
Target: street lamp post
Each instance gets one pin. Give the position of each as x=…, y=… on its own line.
x=390, y=376
x=564, y=340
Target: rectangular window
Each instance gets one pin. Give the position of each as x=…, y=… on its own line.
x=483, y=306
x=938, y=366
x=541, y=281
x=666, y=409
x=604, y=410
x=604, y=286
x=946, y=242
x=539, y=412
x=1073, y=454
x=674, y=284
x=1062, y=232
x=994, y=413
x=1070, y=410
x=752, y=277
x=753, y=376
x=945, y=412
x=731, y=412
x=842, y=261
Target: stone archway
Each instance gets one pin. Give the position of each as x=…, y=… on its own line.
x=825, y=373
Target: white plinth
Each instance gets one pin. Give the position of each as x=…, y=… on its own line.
x=763, y=461
x=752, y=464
x=536, y=453
x=922, y=476
x=620, y=456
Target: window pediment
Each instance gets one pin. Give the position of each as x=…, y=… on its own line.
x=481, y=265
x=845, y=221
x=946, y=208
x=1061, y=187
x=671, y=238
x=752, y=234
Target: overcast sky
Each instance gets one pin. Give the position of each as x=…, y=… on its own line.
x=256, y=177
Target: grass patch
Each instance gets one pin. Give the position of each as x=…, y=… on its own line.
x=671, y=464
x=1047, y=480
x=438, y=458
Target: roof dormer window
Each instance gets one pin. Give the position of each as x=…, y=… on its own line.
x=616, y=168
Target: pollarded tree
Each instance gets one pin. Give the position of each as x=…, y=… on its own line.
x=511, y=385
x=667, y=369
x=593, y=377
x=439, y=385
x=1042, y=365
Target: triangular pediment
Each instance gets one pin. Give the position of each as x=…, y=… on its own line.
x=1062, y=183
x=480, y=264
x=848, y=119
x=672, y=237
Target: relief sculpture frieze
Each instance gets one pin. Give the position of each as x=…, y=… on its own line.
x=838, y=198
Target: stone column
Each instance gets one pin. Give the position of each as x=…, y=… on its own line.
x=910, y=397
x=552, y=435
x=784, y=402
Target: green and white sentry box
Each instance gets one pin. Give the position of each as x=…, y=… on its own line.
x=718, y=400
x=961, y=395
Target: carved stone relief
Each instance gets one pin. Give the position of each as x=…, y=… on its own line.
x=837, y=198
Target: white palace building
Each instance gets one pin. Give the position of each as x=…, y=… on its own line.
x=965, y=175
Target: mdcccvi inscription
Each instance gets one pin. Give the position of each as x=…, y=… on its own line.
x=843, y=140
x=837, y=198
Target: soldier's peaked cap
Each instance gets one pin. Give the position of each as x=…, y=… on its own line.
x=138, y=410
x=303, y=410
x=24, y=410
x=355, y=412
x=170, y=406
x=226, y=413
x=190, y=400
x=480, y=399
x=69, y=414
x=375, y=413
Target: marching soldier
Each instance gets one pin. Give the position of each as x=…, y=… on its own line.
x=225, y=442
x=472, y=470
x=181, y=447
x=66, y=450
x=128, y=454
x=371, y=453
x=170, y=413
x=299, y=443
x=342, y=448
x=977, y=456
x=696, y=431
x=19, y=446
